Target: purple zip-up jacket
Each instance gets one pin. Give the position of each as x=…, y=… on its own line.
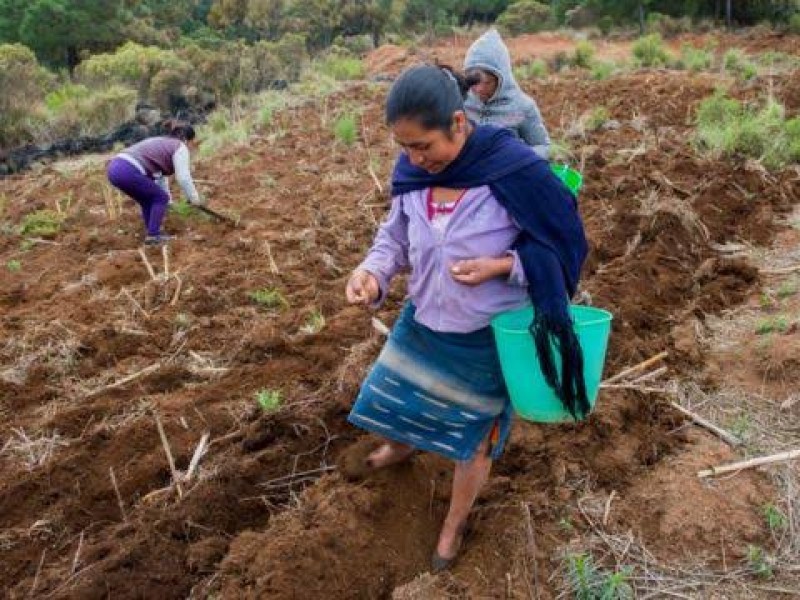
x=478, y=227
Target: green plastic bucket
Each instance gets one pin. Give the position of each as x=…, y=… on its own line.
x=570, y=177
x=531, y=397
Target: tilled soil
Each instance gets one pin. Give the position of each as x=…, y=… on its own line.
x=268, y=514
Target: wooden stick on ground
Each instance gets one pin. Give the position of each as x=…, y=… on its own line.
x=532, y=541
x=749, y=464
x=718, y=431
x=124, y=380
x=77, y=556
x=38, y=571
x=147, y=264
x=650, y=376
x=168, y=452
x=199, y=452
x=119, y=496
x=165, y=255
x=636, y=368
x=783, y=271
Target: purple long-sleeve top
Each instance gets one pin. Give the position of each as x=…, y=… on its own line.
x=479, y=227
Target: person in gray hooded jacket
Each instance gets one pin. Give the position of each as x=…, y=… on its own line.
x=496, y=98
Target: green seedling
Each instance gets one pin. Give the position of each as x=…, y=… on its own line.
x=314, y=323
x=779, y=324
x=345, y=129
x=597, y=118
x=183, y=321
x=759, y=562
x=268, y=298
x=787, y=289
x=777, y=521
x=14, y=266
x=269, y=400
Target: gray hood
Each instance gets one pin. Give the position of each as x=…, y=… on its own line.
x=490, y=53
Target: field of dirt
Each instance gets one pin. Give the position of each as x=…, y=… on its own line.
x=94, y=349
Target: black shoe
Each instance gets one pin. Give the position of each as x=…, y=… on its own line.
x=158, y=240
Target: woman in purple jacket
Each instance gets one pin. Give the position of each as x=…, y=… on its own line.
x=140, y=171
x=483, y=226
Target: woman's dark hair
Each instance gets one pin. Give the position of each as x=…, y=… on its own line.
x=428, y=94
x=179, y=129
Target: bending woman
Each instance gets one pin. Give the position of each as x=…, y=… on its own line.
x=140, y=172
x=483, y=226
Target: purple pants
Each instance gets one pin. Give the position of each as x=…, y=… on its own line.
x=148, y=194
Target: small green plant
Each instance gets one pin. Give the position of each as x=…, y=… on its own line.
x=787, y=289
x=648, y=51
x=268, y=298
x=597, y=118
x=314, y=323
x=588, y=582
x=345, y=129
x=531, y=70
x=779, y=324
x=269, y=400
x=182, y=208
x=759, y=561
x=696, y=59
x=42, y=223
x=565, y=524
x=14, y=266
x=736, y=62
x=741, y=426
x=183, y=321
x=343, y=68
x=602, y=70
x=584, y=55
x=776, y=520
x=605, y=24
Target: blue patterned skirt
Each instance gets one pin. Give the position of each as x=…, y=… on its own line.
x=441, y=392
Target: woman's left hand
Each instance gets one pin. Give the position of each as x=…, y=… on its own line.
x=475, y=271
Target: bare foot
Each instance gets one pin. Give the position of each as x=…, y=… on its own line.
x=450, y=540
x=388, y=454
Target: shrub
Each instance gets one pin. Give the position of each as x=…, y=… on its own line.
x=648, y=51
x=535, y=68
x=668, y=26
x=525, y=16
x=76, y=110
x=131, y=65
x=345, y=129
x=736, y=62
x=605, y=24
x=603, y=70
x=696, y=59
x=584, y=54
x=342, y=68
x=726, y=127
x=794, y=24
x=22, y=84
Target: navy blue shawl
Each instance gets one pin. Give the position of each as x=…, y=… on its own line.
x=551, y=247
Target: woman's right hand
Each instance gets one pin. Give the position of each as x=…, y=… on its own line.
x=362, y=288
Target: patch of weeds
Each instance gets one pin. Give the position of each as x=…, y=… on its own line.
x=696, y=59
x=741, y=426
x=787, y=289
x=314, y=322
x=602, y=70
x=726, y=127
x=760, y=562
x=13, y=265
x=597, y=118
x=345, y=129
x=779, y=324
x=776, y=520
x=182, y=209
x=42, y=223
x=588, y=582
x=531, y=70
x=584, y=55
x=343, y=68
x=26, y=245
x=269, y=298
x=649, y=51
x=221, y=130
x=561, y=151
x=736, y=62
x=269, y=400
x=183, y=321
x=765, y=301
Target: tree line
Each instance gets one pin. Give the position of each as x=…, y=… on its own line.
x=64, y=32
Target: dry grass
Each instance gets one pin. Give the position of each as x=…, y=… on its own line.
x=32, y=452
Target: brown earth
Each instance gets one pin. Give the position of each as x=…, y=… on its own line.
x=82, y=313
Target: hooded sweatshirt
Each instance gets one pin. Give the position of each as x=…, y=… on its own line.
x=510, y=107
